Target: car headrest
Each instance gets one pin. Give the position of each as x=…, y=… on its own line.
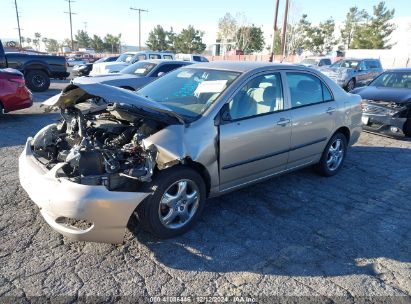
x=307, y=85
x=270, y=93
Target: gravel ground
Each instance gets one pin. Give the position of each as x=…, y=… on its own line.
x=340, y=239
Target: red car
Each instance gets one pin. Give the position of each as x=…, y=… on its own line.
x=14, y=95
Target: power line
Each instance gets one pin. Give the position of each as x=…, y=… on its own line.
x=71, y=23
x=18, y=22
x=139, y=24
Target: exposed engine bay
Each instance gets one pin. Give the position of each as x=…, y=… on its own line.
x=100, y=147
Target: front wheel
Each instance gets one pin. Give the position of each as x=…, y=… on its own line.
x=333, y=156
x=176, y=203
x=350, y=85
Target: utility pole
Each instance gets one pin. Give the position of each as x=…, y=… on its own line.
x=71, y=23
x=85, y=26
x=18, y=22
x=275, y=31
x=284, y=28
x=139, y=24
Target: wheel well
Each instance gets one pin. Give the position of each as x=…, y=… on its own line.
x=345, y=131
x=202, y=171
x=33, y=68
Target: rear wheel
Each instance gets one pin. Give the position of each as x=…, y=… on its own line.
x=176, y=203
x=333, y=156
x=37, y=80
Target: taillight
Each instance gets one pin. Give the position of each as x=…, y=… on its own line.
x=19, y=81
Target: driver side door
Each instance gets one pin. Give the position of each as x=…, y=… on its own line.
x=255, y=132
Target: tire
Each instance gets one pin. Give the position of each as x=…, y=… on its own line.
x=407, y=127
x=350, y=85
x=37, y=80
x=332, y=160
x=165, y=222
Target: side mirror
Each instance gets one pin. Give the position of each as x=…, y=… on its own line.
x=161, y=74
x=223, y=115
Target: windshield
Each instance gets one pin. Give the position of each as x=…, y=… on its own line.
x=139, y=68
x=400, y=80
x=189, y=92
x=124, y=57
x=310, y=61
x=352, y=64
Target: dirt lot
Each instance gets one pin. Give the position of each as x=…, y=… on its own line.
x=297, y=235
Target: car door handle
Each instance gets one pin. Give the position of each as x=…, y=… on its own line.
x=283, y=122
x=330, y=110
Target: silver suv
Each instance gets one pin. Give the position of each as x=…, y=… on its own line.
x=350, y=73
x=197, y=132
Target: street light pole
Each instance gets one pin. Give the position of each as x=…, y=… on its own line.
x=139, y=24
x=275, y=31
x=18, y=22
x=71, y=24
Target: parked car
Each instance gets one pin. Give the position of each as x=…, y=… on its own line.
x=14, y=95
x=387, y=102
x=199, y=131
x=136, y=75
x=349, y=73
x=191, y=57
x=85, y=69
x=37, y=69
x=314, y=62
x=72, y=61
x=123, y=62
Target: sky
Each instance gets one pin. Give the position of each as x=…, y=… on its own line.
x=108, y=16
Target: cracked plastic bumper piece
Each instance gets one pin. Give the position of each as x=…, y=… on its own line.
x=107, y=211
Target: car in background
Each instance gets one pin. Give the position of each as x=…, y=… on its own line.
x=14, y=95
x=191, y=57
x=386, y=103
x=199, y=131
x=85, y=69
x=314, y=62
x=350, y=73
x=37, y=69
x=123, y=62
x=136, y=75
x=72, y=61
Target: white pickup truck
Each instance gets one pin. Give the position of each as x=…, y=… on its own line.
x=125, y=60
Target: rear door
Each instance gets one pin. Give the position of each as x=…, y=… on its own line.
x=255, y=134
x=313, y=111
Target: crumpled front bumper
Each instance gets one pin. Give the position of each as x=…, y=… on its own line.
x=382, y=123
x=58, y=198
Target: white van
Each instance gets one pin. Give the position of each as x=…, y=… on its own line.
x=126, y=59
x=191, y=57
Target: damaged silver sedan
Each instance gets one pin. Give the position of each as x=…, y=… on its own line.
x=197, y=132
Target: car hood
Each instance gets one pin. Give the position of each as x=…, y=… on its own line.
x=104, y=78
x=335, y=70
x=384, y=94
x=74, y=94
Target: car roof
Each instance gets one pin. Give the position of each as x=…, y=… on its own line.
x=245, y=66
x=158, y=61
x=399, y=70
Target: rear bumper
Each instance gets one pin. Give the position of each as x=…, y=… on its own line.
x=62, y=201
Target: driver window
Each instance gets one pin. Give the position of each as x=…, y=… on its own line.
x=260, y=95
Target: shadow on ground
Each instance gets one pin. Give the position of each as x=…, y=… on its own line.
x=302, y=224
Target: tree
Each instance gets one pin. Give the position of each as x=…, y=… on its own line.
x=83, y=39
x=353, y=20
x=227, y=28
x=171, y=40
x=250, y=39
x=113, y=42
x=44, y=40
x=298, y=36
x=190, y=41
x=97, y=43
x=36, y=40
x=52, y=46
x=28, y=40
x=157, y=39
x=375, y=34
